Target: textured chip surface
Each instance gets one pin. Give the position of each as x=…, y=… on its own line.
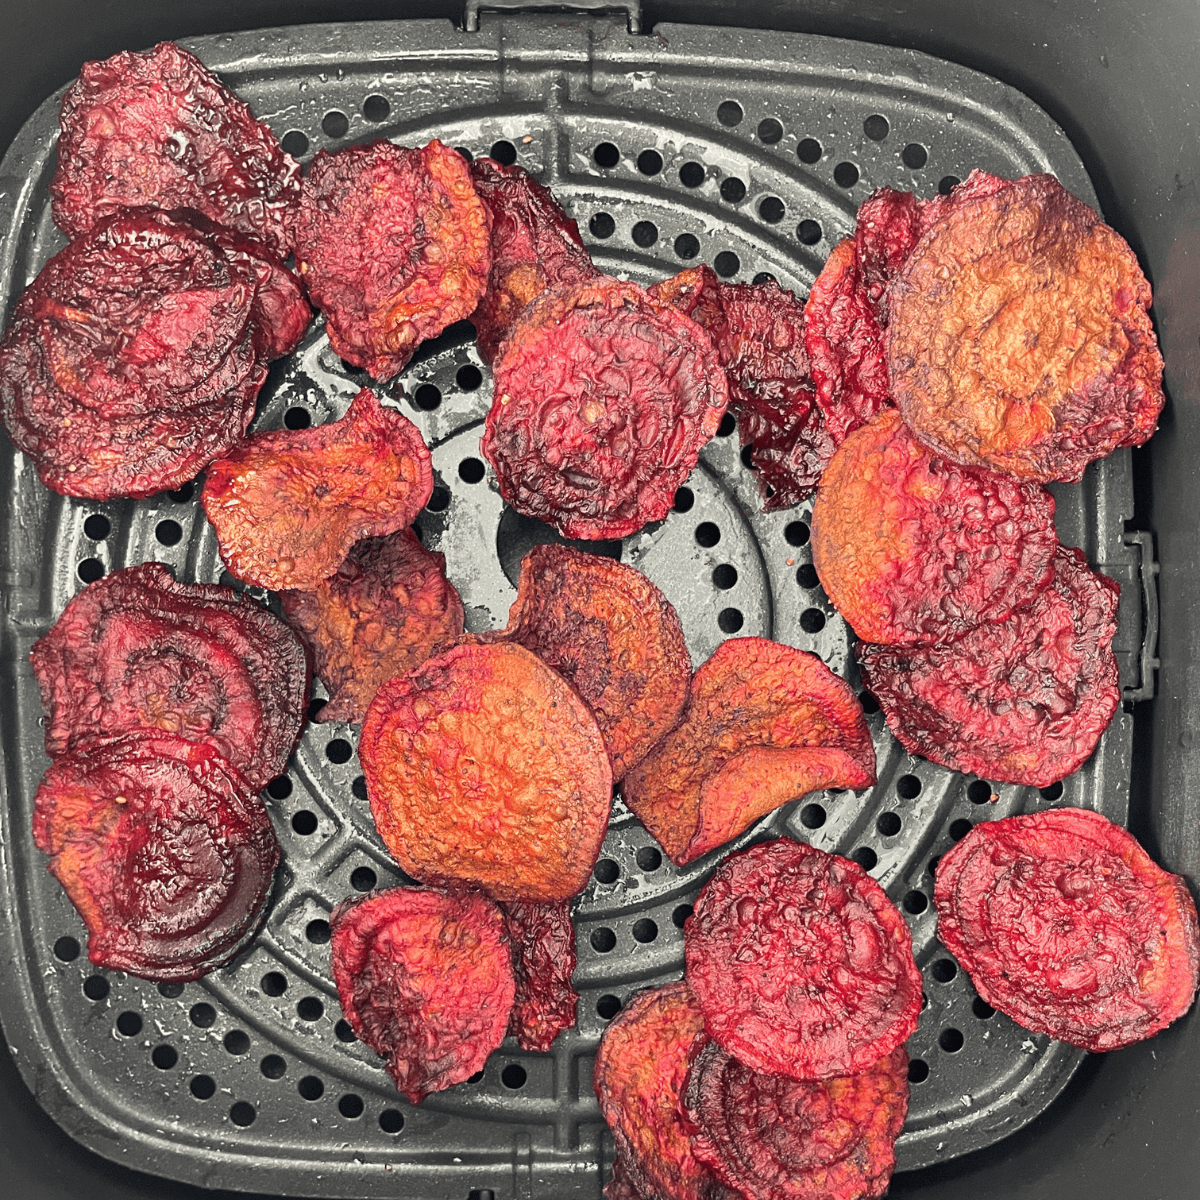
x=543, y=942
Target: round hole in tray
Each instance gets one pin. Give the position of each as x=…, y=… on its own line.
x=727, y=264
x=947, y=184
x=363, y=879
x=295, y=143
x=725, y=576
x=335, y=124
x=376, y=108
x=870, y=705
x=468, y=377
x=649, y=162
x=795, y=533
x=707, y=534
x=90, y=569
x=770, y=131
x=809, y=232
x=471, y=470
x=951, y=1040
x=733, y=190
x=1053, y=792
x=304, y=822
x=806, y=576
x=203, y=1015
x=876, y=127
x=309, y=1008
x=439, y=501
x=203, y=1087
x=273, y=1066
x=602, y=225
x=908, y=787
x=317, y=931
x=603, y=939
x=730, y=620
x=297, y=417
x=771, y=209
x=888, y=824
x=129, y=1024
x=97, y=527
x=66, y=948
x=172, y=991
x=236, y=1041
x=606, y=871
x=812, y=816
x=845, y=174
x=914, y=156
x=865, y=857
x=692, y=174
x=645, y=234
x=764, y=277
x=687, y=245
x=280, y=788
x=164, y=1057
x=943, y=969
x=680, y=915
x=391, y=1120
x=242, y=1113
x=344, y=1033
x=427, y=397
x=915, y=902
x=513, y=1076
x=727, y=426
x=918, y=1070
x=979, y=791
x=960, y=828
x=273, y=983
x=809, y=151
x=310, y=1087
x=933, y=864
x=351, y=1106
x=729, y=113
x=183, y=493
x=168, y=533
x=606, y=156
x=649, y=858
x=684, y=499
x=339, y=751
x=812, y=620
x=645, y=930
x=607, y=1007
x=504, y=152
x=982, y=1009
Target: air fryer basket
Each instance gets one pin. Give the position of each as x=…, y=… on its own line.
x=685, y=145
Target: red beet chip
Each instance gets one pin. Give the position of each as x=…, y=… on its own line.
x=425, y=979
x=535, y=245
x=163, y=849
x=138, y=650
x=620, y=1185
x=393, y=245
x=1018, y=701
x=1064, y=922
x=773, y=1138
x=800, y=963
x=543, y=942
x=158, y=129
x=603, y=400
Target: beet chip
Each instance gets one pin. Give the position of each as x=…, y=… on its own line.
x=1019, y=701
x=1020, y=338
x=158, y=129
x=535, y=245
x=288, y=506
x=425, y=979
x=137, y=650
x=800, y=963
x=543, y=942
x=774, y=1138
x=1064, y=922
x=388, y=608
x=613, y=636
x=604, y=398
x=911, y=548
x=393, y=245
x=765, y=724
x=162, y=847
x=484, y=766
x=639, y=1075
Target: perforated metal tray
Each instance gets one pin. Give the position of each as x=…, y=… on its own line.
x=746, y=150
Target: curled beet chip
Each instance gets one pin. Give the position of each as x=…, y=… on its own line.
x=425, y=978
x=138, y=650
x=162, y=847
x=764, y=724
x=912, y=548
x=288, y=506
x=484, y=766
x=1066, y=924
x=543, y=942
x=610, y=633
x=1023, y=700
x=770, y=1137
x=393, y=245
x=386, y=609
x=785, y=935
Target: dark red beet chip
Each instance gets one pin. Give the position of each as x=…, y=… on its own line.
x=543, y=942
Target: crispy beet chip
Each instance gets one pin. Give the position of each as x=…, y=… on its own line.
x=773, y=1138
x=613, y=636
x=158, y=129
x=162, y=847
x=484, y=766
x=604, y=397
x=388, y=608
x=800, y=963
x=425, y=979
x=543, y=942
x=137, y=650
x=1019, y=337
x=1019, y=701
x=288, y=506
x=393, y=246
x=1064, y=922
x=639, y=1075
x=620, y=1185
x=535, y=246
x=765, y=724
x=911, y=548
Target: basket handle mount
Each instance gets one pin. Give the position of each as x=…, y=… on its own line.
x=631, y=8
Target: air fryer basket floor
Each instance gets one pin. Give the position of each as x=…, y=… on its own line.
x=712, y=135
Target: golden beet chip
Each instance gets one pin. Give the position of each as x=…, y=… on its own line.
x=610, y=633
x=386, y=609
x=289, y=505
x=484, y=766
x=1020, y=338
x=765, y=724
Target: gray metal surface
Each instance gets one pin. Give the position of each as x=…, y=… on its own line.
x=712, y=131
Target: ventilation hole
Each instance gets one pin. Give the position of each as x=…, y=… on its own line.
x=242, y=1113
x=236, y=1041
x=317, y=932
x=809, y=151
x=944, y=970
x=812, y=816
x=960, y=828
x=363, y=879
x=427, y=397
x=182, y=495
x=948, y=183
x=376, y=108
x=951, y=1040
x=439, y=501
x=680, y=915
x=845, y=174
x=649, y=162
x=310, y=1088
x=602, y=225
x=172, y=991
x=806, y=576
x=729, y=113
x=865, y=857
x=691, y=175
x=918, y=1071
x=727, y=426
x=66, y=949
x=730, y=620
x=888, y=824
x=335, y=124
x=351, y=1106
x=339, y=751
x=203, y=1087
x=294, y=143
x=771, y=209
x=979, y=791
x=770, y=131
x=97, y=527
x=129, y=1024
x=309, y=1008
x=645, y=234
x=203, y=1015
x=869, y=704
x=468, y=377
x=168, y=533
x=764, y=277
x=982, y=1009
x=725, y=576
x=812, y=620
x=933, y=864
x=687, y=245
x=603, y=940
x=164, y=1057
x=727, y=264
x=513, y=1076
x=297, y=418
x=304, y=822
x=391, y=1120
x=90, y=570
x=649, y=858
x=606, y=871
x=607, y=1007
x=707, y=534
x=908, y=787
x=273, y=983
x=504, y=152
x=606, y=155
x=280, y=788
x=470, y=470
x=809, y=232
x=645, y=930
x=349, y=367
x=795, y=533
x=915, y=902
x=914, y=156
x=876, y=127
x=747, y=457
x=684, y=499
x=273, y=1067
x=1053, y=792
x=733, y=190
x=344, y=1033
